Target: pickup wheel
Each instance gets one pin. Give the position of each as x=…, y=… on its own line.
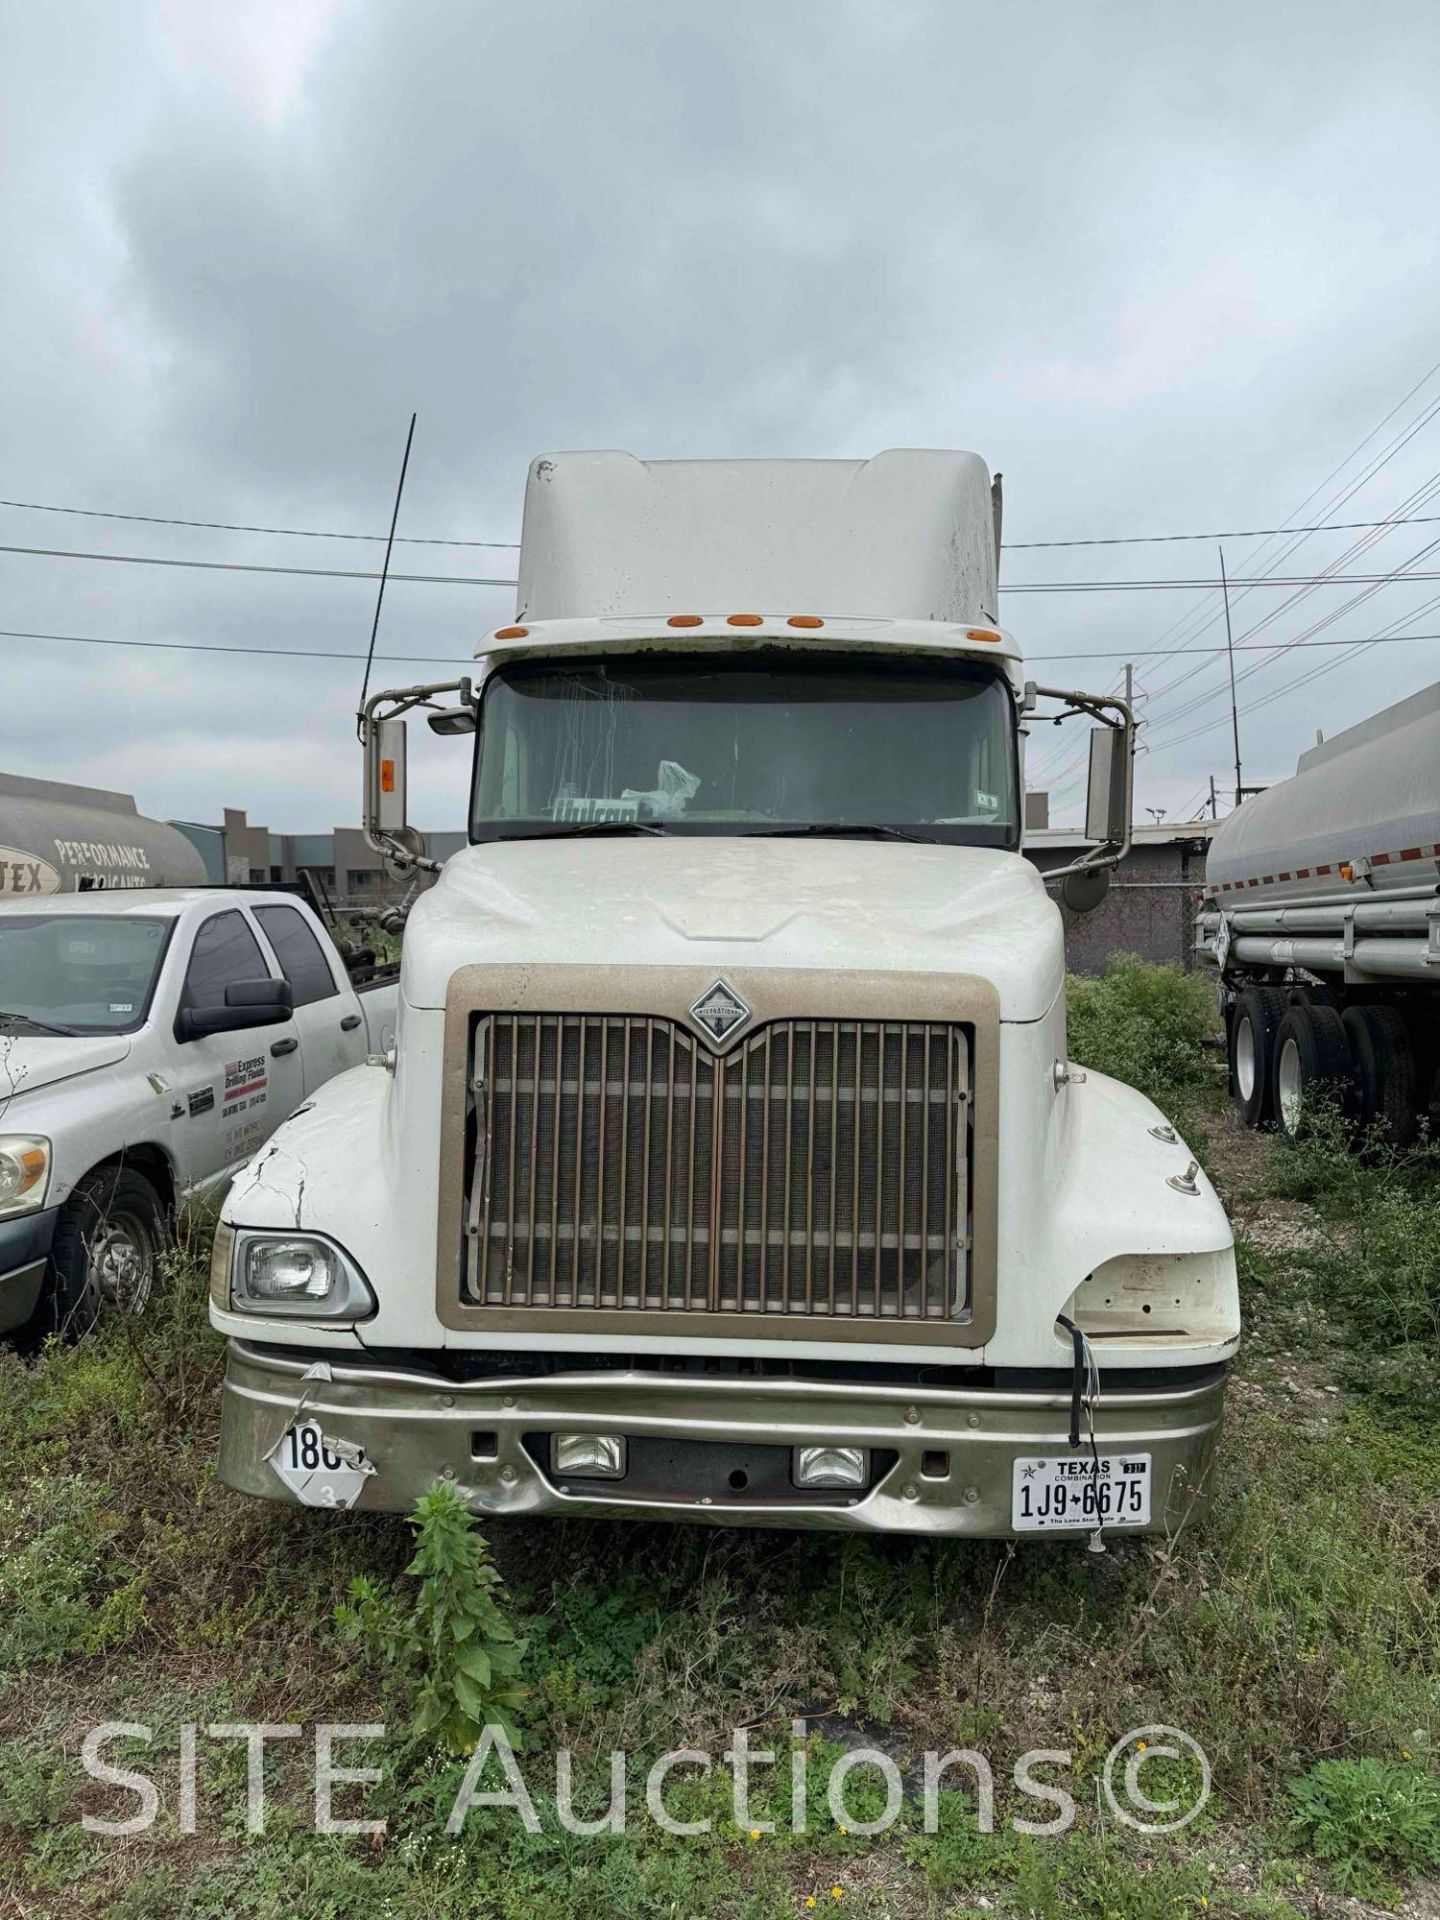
x=1253, y=1026
x=106, y=1251
x=1388, y=1099
x=1312, y=1062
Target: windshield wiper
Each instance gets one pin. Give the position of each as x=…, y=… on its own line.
x=836, y=830
x=589, y=828
x=40, y=1026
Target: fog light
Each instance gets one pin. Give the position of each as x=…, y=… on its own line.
x=831, y=1466
x=588, y=1456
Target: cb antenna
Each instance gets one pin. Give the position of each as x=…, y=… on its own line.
x=384, y=576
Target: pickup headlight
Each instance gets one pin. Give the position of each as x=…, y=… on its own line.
x=294, y=1273
x=24, y=1172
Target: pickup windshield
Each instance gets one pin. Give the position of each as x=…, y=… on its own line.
x=78, y=973
x=697, y=743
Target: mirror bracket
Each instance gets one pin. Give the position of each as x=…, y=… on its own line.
x=400, y=845
x=1111, y=712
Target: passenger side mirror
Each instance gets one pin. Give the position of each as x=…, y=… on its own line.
x=1086, y=881
x=1107, y=800
x=248, y=1003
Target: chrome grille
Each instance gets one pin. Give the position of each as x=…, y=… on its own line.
x=819, y=1168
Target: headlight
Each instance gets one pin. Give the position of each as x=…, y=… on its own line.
x=24, y=1172
x=296, y=1273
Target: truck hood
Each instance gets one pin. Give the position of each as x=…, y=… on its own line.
x=850, y=905
x=32, y=1060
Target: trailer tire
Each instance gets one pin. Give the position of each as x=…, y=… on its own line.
x=1312, y=1060
x=1387, y=1084
x=1253, y=1026
x=106, y=1251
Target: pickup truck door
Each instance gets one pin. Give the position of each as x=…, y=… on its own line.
x=236, y=1088
x=327, y=1012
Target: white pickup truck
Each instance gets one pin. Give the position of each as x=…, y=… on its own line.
x=150, y=1042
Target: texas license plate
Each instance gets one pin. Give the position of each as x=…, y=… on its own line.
x=1077, y=1490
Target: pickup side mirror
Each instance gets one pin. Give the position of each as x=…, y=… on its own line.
x=248, y=1003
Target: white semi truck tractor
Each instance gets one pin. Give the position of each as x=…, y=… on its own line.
x=730, y=1164
x=1322, y=914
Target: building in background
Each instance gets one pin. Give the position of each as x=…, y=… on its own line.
x=349, y=871
x=58, y=838
x=1150, y=908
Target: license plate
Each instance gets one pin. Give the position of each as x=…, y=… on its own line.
x=1068, y=1492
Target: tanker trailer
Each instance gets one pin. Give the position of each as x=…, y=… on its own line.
x=63, y=839
x=1322, y=915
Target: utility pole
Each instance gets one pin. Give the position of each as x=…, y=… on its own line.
x=1230, y=653
x=1214, y=809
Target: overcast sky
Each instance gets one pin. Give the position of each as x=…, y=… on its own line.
x=1166, y=266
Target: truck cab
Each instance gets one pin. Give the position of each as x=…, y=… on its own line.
x=729, y=1165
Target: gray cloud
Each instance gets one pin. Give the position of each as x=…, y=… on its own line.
x=1164, y=267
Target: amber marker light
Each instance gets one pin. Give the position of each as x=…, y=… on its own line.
x=512, y=633
x=981, y=633
x=745, y=620
x=809, y=620
x=685, y=620
x=387, y=776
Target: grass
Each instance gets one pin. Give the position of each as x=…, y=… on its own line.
x=1293, y=1633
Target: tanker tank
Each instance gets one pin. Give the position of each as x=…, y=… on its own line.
x=1367, y=800
x=63, y=839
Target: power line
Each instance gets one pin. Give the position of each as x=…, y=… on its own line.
x=1355, y=647
x=247, y=566
x=1231, y=533
x=1186, y=626
x=430, y=659
x=480, y=580
x=433, y=540
x=208, y=646
x=242, y=526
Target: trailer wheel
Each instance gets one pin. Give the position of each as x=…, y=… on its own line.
x=1257, y=1016
x=1312, y=1061
x=1387, y=1096
x=106, y=1251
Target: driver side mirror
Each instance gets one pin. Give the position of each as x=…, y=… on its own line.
x=387, y=801
x=248, y=1003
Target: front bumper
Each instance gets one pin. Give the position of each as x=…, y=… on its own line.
x=24, y=1252
x=487, y=1438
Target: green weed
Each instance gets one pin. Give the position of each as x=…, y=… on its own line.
x=1146, y=1025
x=456, y=1641
x=1369, y=1821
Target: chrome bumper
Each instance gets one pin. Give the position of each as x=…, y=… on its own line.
x=416, y=1428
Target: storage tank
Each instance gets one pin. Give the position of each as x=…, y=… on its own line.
x=1367, y=800
x=63, y=839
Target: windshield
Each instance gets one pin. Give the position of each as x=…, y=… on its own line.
x=80, y=973
x=699, y=743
